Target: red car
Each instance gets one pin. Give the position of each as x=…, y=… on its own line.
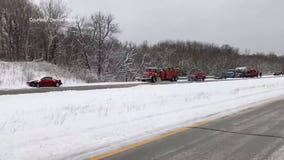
x=200, y=76
x=45, y=82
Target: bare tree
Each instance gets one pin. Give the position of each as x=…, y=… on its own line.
x=96, y=36
x=122, y=62
x=84, y=40
x=104, y=30
x=54, y=15
x=90, y=46
x=14, y=27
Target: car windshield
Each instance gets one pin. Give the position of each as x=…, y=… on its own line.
x=46, y=78
x=230, y=73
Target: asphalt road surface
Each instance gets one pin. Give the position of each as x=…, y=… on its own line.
x=68, y=88
x=106, y=86
x=253, y=134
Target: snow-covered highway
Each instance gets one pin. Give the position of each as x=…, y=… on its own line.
x=103, y=85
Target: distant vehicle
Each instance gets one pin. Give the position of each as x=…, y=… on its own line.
x=45, y=82
x=239, y=72
x=200, y=76
x=239, y=75
x=245, y=72
x=229, y=74
x=169, y=74
x=252, y=73
x=152, y=74
x=218, y=76
x=277, y=73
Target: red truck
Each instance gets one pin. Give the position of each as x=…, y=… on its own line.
x=200, y=76
x=252, y=73
x=153, y=74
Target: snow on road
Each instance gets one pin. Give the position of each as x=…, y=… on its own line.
x=80, y=124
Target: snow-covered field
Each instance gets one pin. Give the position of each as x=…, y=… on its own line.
x=80, y=124
x=16, y=74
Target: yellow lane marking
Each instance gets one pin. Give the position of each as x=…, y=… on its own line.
x=138, y=144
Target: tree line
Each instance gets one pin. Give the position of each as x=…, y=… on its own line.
x=89, y=47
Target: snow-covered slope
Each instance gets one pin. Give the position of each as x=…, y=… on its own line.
x=16, y=74
x=64, y=125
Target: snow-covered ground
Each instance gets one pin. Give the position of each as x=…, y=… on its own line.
x=16, y=74
x=80, y=124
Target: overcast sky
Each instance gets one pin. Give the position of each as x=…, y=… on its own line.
x=256, y=25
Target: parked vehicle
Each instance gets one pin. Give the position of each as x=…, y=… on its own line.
x=228, y=74
x=277, y=73
x=152, y=74
x=245, y=72
x=218, y=76
x=169, y=74
x=252, y=73
x=45, y=82
x=200, y=76
x=239, y=72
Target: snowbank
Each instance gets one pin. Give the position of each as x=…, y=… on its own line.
x=16, y=74
x=80, y=124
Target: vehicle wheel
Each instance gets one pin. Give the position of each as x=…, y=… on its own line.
x=176, y=79
x=154, y=79
x=37, y=85
x=57, y=85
